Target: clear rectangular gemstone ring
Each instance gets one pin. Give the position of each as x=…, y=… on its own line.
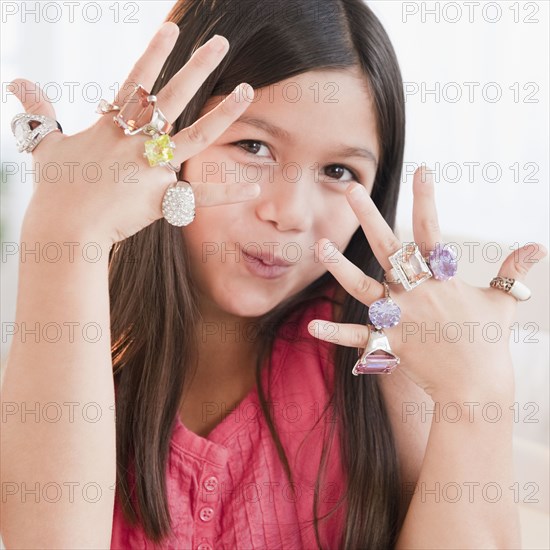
x=409, y=267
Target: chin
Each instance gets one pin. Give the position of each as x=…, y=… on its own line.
x=246, y=302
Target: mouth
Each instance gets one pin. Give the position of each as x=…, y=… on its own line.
x=264, y=266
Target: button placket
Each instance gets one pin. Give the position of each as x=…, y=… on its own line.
x=208, y=508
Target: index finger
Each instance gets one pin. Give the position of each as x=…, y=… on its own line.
x=215, y=194
x=149, y=65
x=382, y=239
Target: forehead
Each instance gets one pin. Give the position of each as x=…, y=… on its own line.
x=322, y=107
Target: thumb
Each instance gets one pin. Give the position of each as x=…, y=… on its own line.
x=31, y=97
x=520, y=261
x=34, y=102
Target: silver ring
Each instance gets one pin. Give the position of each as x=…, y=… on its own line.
x=27, y=137
x=169, y=165
x=178, y=204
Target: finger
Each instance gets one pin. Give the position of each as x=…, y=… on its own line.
x=215, y=194
x=34, y=102
x=355, y=282
x=148, y=66
x=350, y=335
x=381, y=238
x=519, y=262
x=192, y=140
x=425, y=222
x=177, y=93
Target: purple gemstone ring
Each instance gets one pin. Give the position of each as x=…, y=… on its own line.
x=384, y=313
x=378, y=357
x=442, y=262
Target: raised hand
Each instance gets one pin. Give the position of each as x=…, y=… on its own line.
x=108, y=210
x=471, y=365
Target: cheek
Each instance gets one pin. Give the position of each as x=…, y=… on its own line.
x=338, y=224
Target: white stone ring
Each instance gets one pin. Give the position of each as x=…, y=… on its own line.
x=178, y=205
x=30, y=130
x=515, y=288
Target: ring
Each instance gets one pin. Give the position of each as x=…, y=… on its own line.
x=409, y=267
x=515, y=288
x=384, y=313
x=159, y=151
x=377, y=358
x=442, y=262
x=28, y=136
x=141, y=114
x=169, y=165
x=178, y=205
x=104, y=107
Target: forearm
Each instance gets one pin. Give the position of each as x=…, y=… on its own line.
x=58, y=430
x=463, y=498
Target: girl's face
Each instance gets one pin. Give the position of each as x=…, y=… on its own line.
x=303, y=140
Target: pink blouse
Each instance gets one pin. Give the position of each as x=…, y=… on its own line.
x=229, y=490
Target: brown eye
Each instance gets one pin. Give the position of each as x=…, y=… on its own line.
x=251, y=146
x=336, y=171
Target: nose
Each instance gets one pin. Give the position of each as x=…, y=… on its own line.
x=287, y=202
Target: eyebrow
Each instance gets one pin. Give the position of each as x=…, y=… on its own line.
x=278, y=133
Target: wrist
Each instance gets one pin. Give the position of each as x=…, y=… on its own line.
x=52, y=243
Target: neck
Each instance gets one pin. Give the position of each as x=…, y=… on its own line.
x=227, y=343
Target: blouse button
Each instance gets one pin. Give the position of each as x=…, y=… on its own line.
x=206, y=513
x=204, y=546
x=211, y=483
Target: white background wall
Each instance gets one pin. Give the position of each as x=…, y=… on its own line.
x=497, y=47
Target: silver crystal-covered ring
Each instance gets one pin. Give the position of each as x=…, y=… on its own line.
x=29, y=130
x=178, y=205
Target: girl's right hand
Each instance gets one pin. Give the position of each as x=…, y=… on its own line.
x=109, y=210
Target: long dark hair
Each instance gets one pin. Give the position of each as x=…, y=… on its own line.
x=153, y=306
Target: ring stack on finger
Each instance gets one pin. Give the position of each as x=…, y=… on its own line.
x=140, y=114
x=378, y=357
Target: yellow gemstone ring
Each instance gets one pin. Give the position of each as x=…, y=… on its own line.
x=159, y=150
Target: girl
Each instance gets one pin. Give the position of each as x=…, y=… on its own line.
x=230, y=342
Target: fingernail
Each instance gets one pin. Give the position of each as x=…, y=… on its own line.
x=243, y=91
x=358, y=190
x=218, y=43
x=326, y=250
x=251, y=190
x=426, y=174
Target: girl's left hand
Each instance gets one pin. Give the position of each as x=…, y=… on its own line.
x=472, y=364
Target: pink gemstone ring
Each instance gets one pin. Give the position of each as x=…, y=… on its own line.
x=378, y=357
x=140, y=114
